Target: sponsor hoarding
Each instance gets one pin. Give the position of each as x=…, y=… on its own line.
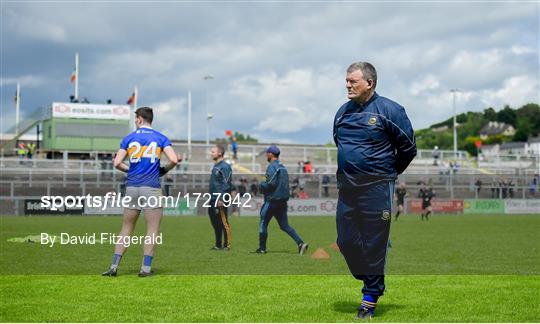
x=93, y=111
x=437, y=205
x=522, y=206
x=33, y=207
x=483, y=206
x=183, y=209
x=296, y=207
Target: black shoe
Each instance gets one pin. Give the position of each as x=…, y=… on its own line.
x=143, y=274
x=216, y=248
x=364, y=313
x=259, y=251
x=109, y=273
x=302, y=248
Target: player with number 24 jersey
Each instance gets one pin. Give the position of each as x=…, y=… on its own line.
x=144, y=147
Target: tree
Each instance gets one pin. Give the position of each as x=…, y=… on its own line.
x=523, y=130
x=244, y=138
x=529, y=113
x=490, y=114
x=507, y=115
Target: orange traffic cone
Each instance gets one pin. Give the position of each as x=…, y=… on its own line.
x=320, y=254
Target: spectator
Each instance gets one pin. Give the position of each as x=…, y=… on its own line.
x=301, y=183
x=503, y=188
x=308, y=168
x=435, y=154
x=455, y=167
x=302, y=194
x=254, y=188
x=21, y=150
x=167, y=186
x=300, y=167
x=326, y=184
x=234, y=148
x=31, y=149
x=533, y=185
x=478, y=185
x=295, y=183
x=242, y=186
x=494, y=190
x=510, y=185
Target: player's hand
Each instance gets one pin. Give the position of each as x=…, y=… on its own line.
x=162, y=171
x=179, y=157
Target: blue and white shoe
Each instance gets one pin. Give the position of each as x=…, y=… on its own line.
x=110, y=273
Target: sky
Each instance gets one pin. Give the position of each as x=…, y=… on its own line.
x=278, y=67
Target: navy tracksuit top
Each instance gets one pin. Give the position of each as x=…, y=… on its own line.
x=220, y=180
x=276, y=186
x=375, y=142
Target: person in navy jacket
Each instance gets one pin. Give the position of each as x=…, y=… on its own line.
x=375, y=142
x=276, y=194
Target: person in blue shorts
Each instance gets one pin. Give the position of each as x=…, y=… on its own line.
x=143, y=148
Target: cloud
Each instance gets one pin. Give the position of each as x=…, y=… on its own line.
x=35, y=28
x=25, y=81
x=279, y=75
x=430, y=82
x=293, y=101
x=170, y=117
x=515, y=91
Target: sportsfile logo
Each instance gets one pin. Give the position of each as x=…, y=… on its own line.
x=117, y=200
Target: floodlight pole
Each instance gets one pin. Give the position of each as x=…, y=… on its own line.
x=17, y=108
x=135, y=103
x=208, y=115
x=208, y=118
x=76, y=77
x=189, y=126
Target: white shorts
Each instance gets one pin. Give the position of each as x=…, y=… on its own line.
x=146, y=202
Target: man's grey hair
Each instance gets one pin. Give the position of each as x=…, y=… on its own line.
x=221, y=149
x=368, y=71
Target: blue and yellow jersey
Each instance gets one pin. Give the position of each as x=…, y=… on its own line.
x=144, y=147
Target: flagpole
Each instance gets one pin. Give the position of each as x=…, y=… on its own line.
x=17, y=107
x=76, y=76
x=132, y=115
x=189, y=126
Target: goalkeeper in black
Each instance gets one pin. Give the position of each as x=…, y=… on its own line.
x=426, y=194
x=400, y=194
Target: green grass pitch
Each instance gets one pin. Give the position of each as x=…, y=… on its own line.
x=454, y=268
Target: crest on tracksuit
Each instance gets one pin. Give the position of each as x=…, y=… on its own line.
x=372, y=121
x=385, y=215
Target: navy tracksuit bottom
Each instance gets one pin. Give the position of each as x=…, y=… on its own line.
x=363, y=226
x=219, y=219
x=277, y=209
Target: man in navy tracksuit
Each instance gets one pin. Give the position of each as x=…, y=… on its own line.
x=276, y=195
x=220, y=184
x=375, y=142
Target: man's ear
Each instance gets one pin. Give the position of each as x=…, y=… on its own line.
x=371, y=83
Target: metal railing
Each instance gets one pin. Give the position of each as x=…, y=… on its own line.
x=63, y=180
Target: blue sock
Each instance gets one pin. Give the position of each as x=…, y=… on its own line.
x=147, y=263
x=116, y=260
x=369, y=302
